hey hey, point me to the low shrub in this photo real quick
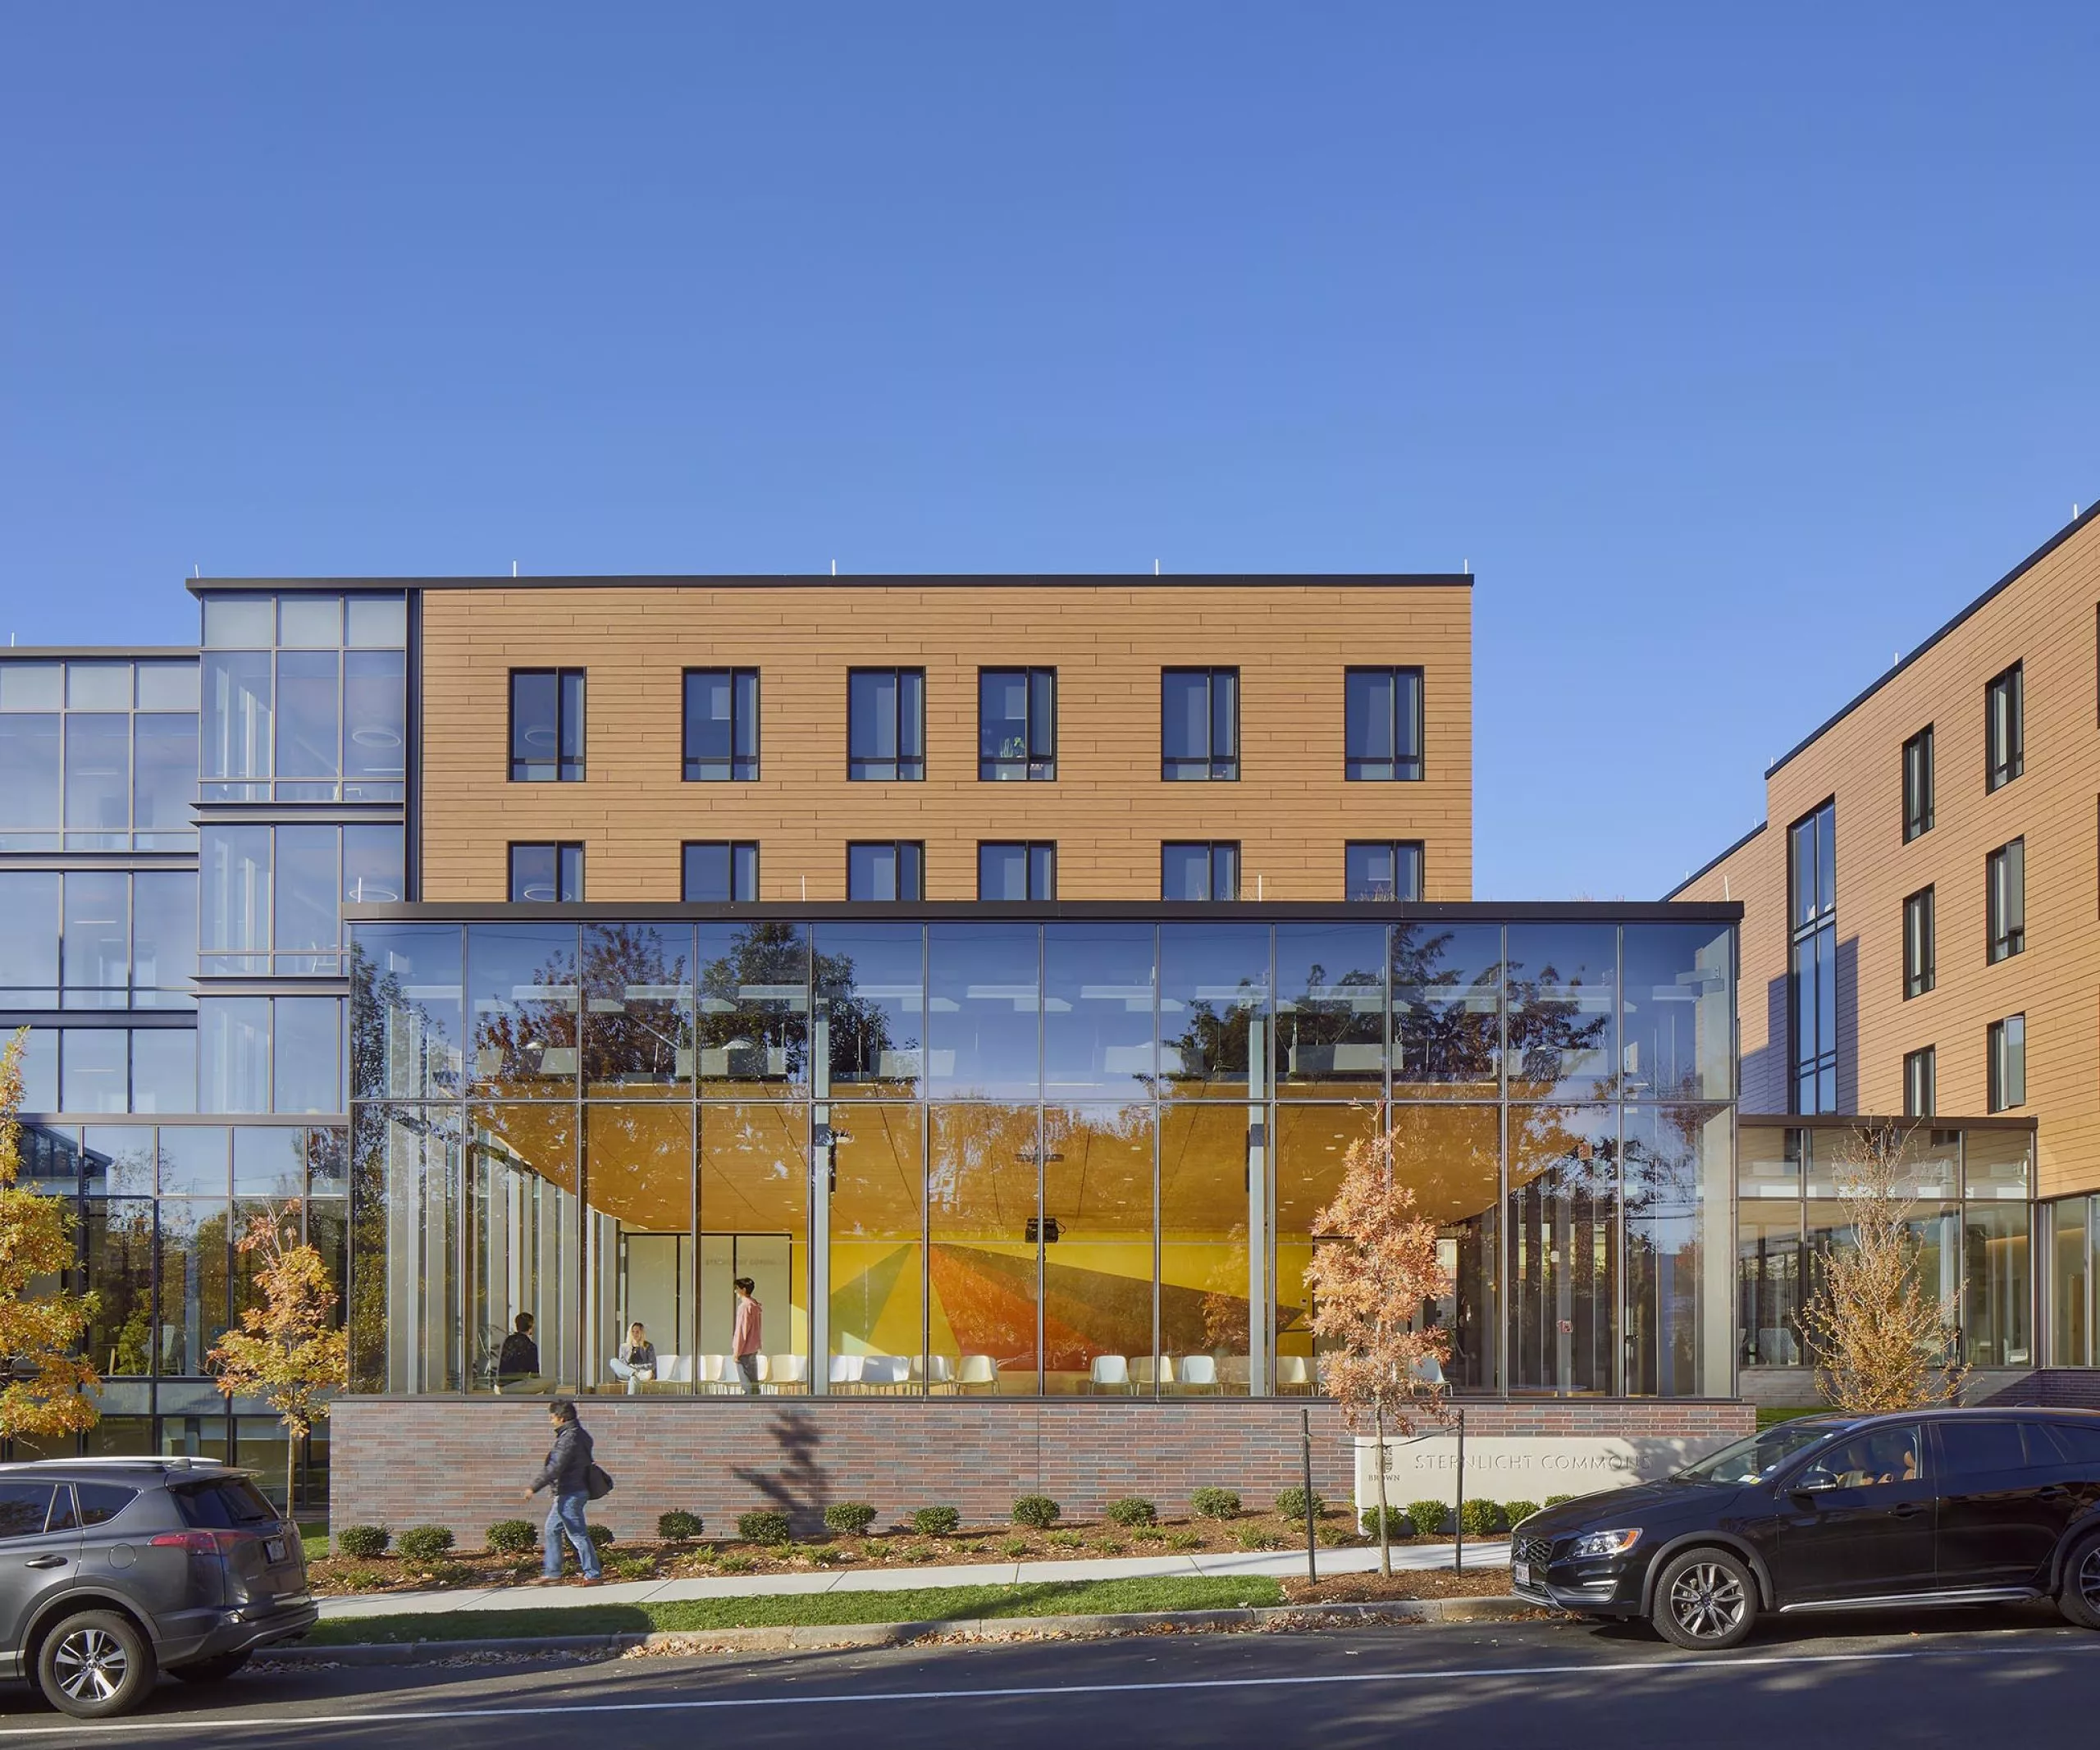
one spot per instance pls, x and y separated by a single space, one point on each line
1133 1509
601 1536
1516 1512
935 1522
1291 1503
678 1526
1147 1534
1105 1545
1214 1504
920 1554
767 1525
424 1543
1482 1518
733 1564
364 1542
1064 1539
511 1536
849 1519
1038 1512
1554 1500
630 1567
354 1579
1184 1540
1330 1537
1399 1524
1015 1546
1255 1537
831 1555
448 1573
1430 1517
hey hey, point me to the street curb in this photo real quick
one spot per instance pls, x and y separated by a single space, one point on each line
789 1639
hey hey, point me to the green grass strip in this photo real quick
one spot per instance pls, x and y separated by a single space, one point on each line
809 1609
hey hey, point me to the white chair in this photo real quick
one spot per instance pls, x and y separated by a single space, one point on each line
1142 1373
1238 1373
847 1372
940 1371
977 1371
674 1370
1110 1372
1197 1373
1429 1370
785 1373
884 1373
1294 1373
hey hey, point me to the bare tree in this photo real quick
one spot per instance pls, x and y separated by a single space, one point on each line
1879 1342
1373 1271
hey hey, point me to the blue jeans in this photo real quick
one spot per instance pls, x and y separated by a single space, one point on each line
566 1514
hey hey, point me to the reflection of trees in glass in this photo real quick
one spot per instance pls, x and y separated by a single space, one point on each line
1447 1026
860 1027
1214 1045
512 1042
633 1039
1326 1015
1549 1035
766 1037
382 1012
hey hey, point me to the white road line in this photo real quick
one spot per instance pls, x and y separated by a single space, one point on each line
286 1720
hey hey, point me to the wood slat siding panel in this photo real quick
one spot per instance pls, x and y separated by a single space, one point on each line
1108 811
2045 620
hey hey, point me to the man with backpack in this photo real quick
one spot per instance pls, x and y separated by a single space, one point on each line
575 1482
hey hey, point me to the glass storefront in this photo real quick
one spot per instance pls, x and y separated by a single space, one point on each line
1009 1158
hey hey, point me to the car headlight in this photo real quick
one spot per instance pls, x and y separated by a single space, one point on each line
1593 1544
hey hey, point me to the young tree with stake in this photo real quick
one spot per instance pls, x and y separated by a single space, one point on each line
1374 1264
44 1375
289 1350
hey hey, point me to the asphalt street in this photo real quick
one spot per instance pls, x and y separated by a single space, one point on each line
2008 1676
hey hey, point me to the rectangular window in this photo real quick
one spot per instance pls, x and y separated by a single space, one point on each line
721 872
1918 784
1017 871
721 725
546 873
1203 870
2004 901
1918 950
1918 1077
2007 1045
1198 723
2004 731
1383 869
547 725
889 870
1017 724
1812 913
886 724
1382 716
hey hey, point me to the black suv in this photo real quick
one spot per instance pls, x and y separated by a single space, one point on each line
1836 1513
113 1569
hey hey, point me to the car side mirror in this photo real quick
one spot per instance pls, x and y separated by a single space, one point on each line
1813 1482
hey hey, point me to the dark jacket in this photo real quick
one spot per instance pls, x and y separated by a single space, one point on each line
518 1359
568 1468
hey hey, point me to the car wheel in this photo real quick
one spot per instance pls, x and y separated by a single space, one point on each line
2079 1598
95 1665
1705 1600
210 1671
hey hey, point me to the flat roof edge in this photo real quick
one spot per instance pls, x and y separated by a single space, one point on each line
900 579
1054 911
2013 577
98 652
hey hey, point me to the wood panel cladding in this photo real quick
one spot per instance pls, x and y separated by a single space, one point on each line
1108 811
2045 618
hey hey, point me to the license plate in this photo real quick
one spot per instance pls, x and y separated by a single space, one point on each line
1521 1572
274 1548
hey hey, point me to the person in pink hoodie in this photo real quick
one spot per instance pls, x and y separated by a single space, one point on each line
747 1337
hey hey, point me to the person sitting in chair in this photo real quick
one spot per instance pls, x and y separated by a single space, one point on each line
635 1359
518 1362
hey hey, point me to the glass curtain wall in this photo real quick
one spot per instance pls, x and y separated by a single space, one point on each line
1008 1159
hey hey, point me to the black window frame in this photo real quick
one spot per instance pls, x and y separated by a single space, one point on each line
1220 719
907 764
1812 954
1402 767
2004 727
568 714
560 848
2005 1057
1921 1082
1220 854
1036 761
743 861
909 853
1918 785
1399 849
1920 947
1040 865
2004 901
743 761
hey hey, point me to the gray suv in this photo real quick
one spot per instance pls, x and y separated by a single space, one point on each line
112 1570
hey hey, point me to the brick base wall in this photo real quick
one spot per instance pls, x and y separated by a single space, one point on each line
464 1463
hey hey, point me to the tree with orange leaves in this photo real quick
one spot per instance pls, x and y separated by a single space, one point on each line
46 1377
1374 1266
288 1349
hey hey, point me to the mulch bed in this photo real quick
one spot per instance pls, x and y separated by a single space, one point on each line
1424 1583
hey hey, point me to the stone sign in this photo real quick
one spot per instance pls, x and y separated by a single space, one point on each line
1502 1467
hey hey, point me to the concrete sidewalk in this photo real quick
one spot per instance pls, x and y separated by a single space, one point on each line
1283 1563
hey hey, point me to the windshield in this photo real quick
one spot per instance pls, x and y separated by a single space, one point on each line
1752 1461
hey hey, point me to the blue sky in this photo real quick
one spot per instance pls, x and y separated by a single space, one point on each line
1732 348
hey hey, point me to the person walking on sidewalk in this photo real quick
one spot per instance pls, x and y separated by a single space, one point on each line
748 1336
567 1472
